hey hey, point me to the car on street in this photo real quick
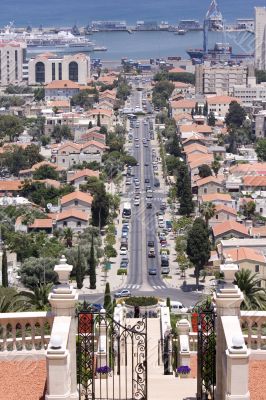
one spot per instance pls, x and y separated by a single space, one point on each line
150 243
123 264
156 182
122 293
136 202
151 252
123 251
137 145
152 271
128 182
124 234
147 180
148 204
163 206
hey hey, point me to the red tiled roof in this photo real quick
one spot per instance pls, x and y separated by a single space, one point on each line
258 168
41 223
245 253
176 70
216 196
84 172
86 197
257 181
195 147
221 100
72 213
228 226
186 103
10 185
64 84
226 209
208 179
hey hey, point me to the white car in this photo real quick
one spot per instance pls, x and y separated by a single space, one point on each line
136 202
123 252
137 145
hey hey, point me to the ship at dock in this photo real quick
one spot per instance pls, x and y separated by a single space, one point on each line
38 41
221 52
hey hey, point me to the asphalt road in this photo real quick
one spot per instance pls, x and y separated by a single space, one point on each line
143 224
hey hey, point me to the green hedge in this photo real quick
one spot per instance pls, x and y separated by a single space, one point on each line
141 301
121 271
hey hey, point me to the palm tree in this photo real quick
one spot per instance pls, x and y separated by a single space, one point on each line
216 166
36 300
68 236
254 295
8 305
207 210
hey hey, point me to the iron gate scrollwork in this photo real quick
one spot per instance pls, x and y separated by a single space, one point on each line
111 358
206 370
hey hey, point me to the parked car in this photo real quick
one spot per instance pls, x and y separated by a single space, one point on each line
150 243
122 293
123 264
151 252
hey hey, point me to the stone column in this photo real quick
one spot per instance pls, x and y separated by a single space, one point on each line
183 327
228 298
237 373
63 300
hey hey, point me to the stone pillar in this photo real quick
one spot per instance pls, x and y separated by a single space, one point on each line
237 373
183 327
63 300
228 298
103 350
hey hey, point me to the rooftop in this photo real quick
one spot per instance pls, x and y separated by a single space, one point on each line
228 226
85 197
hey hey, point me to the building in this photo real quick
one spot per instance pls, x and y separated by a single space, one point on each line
219 105
229 229
68 154
260 24
260 124
13 65
72 218
49 67
210 185
219 79
76 200
61 90
249 93
81 176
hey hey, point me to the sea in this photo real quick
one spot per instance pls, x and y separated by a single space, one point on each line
138 45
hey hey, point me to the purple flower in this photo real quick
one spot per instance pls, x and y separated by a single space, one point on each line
104 370
183 369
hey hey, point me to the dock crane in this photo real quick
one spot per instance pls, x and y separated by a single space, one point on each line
213 21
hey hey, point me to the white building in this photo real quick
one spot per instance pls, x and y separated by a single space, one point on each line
260 124
47 68
219 79
260 24
248 93
12 63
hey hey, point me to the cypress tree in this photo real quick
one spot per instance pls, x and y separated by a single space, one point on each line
4 269
79 271
92 266
99 120
185 194
107 299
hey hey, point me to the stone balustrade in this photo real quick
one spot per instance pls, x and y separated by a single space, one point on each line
253 324
24 332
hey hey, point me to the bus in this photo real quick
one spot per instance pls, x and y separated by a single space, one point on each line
126 213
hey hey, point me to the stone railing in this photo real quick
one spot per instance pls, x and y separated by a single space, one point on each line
253 324
24 332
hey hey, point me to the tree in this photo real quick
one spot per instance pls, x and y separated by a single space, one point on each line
68 236
99 120
4 269
215 166
8 301
198 246
172 164
207 210
61 132
39 94
260 149
184 192
38 299
92 266
205 171
183 263
11 126
161 93
79 271
236 115
46 172
254 295
107 304
249 209
173 146
100 208
211 119
90 125
38 271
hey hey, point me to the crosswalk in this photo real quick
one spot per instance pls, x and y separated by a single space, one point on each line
132 286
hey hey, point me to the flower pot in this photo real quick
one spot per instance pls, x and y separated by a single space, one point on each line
183 376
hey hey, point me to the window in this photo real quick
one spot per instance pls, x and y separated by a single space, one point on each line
217 216
76 202
53 71
73 71
65 223
78 223
257 268
218 190
261 210
40 72
205 190
60 71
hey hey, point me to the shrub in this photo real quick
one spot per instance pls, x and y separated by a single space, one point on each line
121 271
141 301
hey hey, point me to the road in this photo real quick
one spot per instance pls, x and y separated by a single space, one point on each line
143 225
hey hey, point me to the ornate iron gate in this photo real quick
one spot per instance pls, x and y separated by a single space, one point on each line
206 370
111 358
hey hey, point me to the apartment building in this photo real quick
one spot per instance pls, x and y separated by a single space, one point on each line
49 67
260 36
248 93
219 79
12 63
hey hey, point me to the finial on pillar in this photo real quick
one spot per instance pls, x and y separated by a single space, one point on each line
63 270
